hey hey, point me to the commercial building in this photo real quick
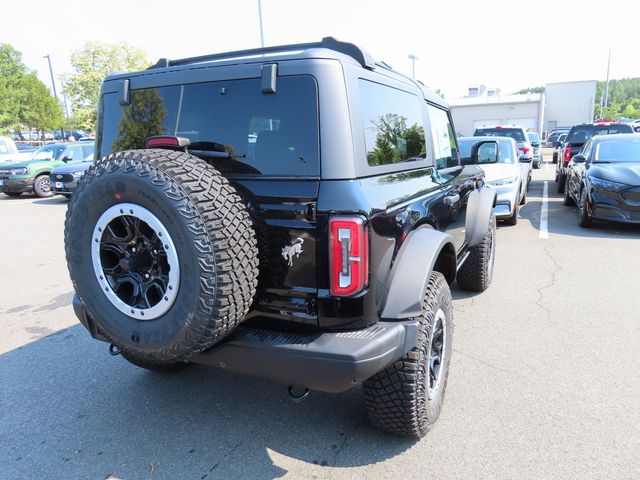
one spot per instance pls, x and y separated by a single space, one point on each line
561 104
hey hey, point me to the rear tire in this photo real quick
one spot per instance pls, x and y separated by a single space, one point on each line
476 272
584 219
566 199
513 219
562 179
406 398
162 252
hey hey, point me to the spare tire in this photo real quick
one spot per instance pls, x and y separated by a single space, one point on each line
162 253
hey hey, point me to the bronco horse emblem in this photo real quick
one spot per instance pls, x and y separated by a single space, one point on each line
288 251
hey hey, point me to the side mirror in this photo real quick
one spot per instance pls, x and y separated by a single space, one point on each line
579 158
536 144
485 152
66 158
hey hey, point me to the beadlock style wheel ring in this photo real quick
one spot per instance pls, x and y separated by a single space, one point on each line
437 354
135 261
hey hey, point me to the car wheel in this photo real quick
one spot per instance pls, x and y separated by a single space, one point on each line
476 272
166 262
523 200
406 398
42 186
584 218
567 200
513 219
562 179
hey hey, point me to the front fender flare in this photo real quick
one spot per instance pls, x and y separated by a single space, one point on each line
407 281
479 208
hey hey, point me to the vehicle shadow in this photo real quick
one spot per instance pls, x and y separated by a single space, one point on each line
563 220
70 410
55 200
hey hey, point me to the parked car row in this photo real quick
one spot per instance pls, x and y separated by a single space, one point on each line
39 174
603 179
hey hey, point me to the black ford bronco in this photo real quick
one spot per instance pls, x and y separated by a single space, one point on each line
295 213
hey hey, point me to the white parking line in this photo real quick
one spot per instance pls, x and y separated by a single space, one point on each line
544 212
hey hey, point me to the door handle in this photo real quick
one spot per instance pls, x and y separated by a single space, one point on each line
450 200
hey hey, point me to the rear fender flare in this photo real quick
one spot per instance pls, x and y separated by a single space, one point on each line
479 208
407 281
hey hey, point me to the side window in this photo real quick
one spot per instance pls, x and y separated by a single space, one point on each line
392 124
586 150
443 138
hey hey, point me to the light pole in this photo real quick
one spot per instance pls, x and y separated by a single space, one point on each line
606 88
260 17
413 65
53 83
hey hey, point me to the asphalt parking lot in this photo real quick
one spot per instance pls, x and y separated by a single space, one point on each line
544 381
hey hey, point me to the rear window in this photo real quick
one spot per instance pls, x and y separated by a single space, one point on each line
516 133
533 137
263 134
582 133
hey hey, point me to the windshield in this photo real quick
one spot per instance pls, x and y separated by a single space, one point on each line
48 152
515 133
618 151
533 137
582 133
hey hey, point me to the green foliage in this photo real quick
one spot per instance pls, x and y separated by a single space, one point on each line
12 71
39 108
395 142
24 99
624 99
92 64
530 90
141 120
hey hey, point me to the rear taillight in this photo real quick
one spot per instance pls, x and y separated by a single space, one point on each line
566 154
525 150
348 255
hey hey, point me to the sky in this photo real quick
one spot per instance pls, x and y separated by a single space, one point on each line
505 44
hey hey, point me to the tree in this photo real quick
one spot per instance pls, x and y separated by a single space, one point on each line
141 120
530 90
12 71
39 108
92 64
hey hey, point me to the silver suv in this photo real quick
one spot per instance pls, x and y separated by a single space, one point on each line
518 133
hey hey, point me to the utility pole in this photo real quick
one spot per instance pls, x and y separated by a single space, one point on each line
260 17
53 83
413 65
606 88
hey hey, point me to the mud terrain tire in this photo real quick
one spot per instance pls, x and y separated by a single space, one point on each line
211 253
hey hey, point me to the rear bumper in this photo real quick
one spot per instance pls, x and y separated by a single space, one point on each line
327 362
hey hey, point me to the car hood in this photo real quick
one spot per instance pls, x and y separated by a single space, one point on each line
627 173
498 171
72 167
24 163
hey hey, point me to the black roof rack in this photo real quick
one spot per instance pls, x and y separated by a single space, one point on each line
355 52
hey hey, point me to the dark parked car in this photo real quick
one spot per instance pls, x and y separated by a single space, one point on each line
552 138
64 179
604 179
576 139
295 213
557 146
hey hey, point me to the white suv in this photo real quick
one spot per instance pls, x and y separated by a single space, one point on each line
517 132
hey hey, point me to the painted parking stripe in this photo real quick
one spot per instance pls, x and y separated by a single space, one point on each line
544 212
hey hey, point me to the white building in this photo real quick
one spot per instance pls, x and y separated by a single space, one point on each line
562 104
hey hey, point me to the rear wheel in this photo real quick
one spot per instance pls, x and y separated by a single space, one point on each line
513 219
406 398
584 217
476 272
42 186
562 179
567 200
